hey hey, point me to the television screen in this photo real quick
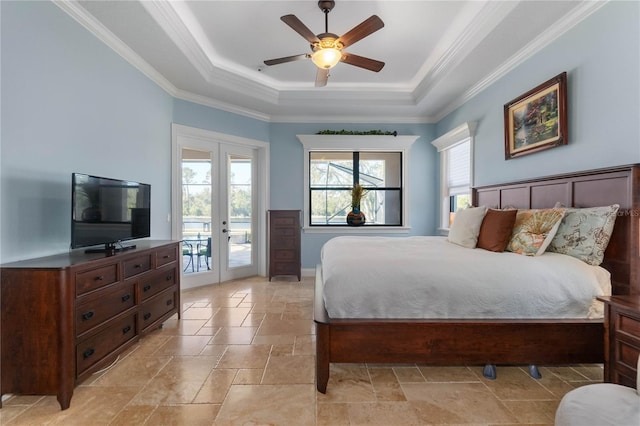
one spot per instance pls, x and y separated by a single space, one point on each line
107 211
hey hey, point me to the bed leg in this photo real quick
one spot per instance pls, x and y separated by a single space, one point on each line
489 371
322 357
534 372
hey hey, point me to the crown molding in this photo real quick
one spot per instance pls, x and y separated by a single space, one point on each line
245 86
171 23
224 106
491 14
351 119
80 15
563 25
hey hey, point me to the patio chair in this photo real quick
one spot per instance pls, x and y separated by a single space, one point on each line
204 250
187 251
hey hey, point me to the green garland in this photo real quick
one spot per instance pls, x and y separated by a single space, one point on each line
355 132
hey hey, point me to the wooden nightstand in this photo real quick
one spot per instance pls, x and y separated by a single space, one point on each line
621 338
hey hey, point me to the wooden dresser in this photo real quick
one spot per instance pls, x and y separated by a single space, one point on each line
66 316
284 243
622 339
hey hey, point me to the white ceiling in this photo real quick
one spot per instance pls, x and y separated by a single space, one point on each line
438 54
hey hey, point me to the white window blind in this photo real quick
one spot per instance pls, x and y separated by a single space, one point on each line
458 161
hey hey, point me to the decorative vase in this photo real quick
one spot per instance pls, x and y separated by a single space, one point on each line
355 217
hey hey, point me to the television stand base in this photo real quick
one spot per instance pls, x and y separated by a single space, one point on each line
110 249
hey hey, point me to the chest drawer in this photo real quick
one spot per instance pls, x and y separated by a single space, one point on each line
137 265
106 305
156 282
286 255
166 255
155 308
284 268
93 279
102 344
628 325
278 243
284 221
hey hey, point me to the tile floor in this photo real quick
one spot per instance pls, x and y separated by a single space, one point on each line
244 354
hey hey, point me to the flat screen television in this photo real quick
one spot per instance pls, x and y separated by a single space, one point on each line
108 211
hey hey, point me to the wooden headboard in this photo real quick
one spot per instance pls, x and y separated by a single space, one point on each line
592 188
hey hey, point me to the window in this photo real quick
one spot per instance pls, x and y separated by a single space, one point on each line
332 174
456 174
376 162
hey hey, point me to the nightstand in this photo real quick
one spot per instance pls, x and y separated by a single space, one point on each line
621 338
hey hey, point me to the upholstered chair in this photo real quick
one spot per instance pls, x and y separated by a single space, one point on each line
601 404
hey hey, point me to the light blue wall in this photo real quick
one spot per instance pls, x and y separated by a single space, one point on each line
287 185
70 104
202 117
602 58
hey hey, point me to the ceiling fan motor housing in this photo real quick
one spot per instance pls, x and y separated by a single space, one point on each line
326 5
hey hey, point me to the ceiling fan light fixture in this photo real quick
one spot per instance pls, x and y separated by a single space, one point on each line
326 58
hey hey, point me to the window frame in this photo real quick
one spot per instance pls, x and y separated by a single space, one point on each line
359 143
460 134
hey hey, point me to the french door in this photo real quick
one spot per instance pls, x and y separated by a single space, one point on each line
217 210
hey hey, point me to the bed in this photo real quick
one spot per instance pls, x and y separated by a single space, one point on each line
485 341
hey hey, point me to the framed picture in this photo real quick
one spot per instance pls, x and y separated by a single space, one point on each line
537 120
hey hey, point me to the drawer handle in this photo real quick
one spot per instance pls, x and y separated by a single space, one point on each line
87 315
146 288
166 256
147 316
137 265
99 278
126 297
169 302
169 277
126 329
88 353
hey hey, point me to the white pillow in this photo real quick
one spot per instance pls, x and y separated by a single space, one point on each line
466 226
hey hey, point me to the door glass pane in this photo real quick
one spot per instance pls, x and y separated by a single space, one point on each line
240 227
196 210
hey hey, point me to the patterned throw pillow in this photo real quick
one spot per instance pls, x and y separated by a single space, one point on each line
534 230
585 233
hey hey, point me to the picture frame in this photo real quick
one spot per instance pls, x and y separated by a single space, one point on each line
537 120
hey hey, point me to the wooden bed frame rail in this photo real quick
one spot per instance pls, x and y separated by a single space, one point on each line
455 341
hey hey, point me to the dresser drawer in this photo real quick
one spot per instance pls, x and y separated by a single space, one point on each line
156 282
137 265
102 344
284 221
93 279
628 325
155 308
104 306
286 255
285 232
278 243
285 268
166 255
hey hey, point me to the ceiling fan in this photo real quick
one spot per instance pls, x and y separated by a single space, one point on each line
327 47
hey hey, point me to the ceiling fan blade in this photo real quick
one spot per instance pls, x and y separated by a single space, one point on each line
357 33
299 27
286 59
362 62
321 77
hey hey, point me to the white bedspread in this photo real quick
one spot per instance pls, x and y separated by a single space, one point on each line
428 277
